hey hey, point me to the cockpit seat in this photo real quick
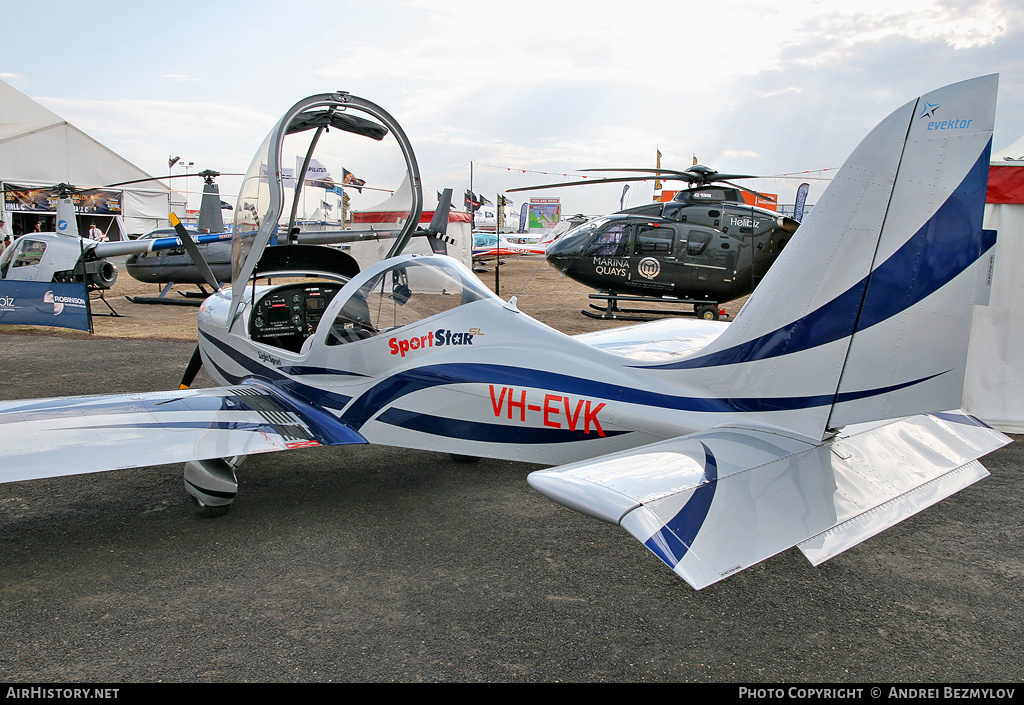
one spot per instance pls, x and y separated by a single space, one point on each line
348 334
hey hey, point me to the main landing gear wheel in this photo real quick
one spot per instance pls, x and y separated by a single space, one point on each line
212 485
708 313
205 511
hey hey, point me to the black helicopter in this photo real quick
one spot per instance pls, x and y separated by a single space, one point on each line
703 248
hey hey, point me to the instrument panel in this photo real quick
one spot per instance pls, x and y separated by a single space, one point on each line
288 315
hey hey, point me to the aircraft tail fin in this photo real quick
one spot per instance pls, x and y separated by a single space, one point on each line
866 313
67 222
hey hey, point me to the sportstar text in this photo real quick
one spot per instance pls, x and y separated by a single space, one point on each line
435 338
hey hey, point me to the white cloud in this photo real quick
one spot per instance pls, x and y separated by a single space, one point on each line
559 86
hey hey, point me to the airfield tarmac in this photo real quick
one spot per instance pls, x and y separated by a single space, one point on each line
369 563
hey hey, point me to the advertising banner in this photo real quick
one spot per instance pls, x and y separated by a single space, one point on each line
770 202
25 199
801 201
44 304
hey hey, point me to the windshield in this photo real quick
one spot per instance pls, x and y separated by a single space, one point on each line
404 294
573 240
254 192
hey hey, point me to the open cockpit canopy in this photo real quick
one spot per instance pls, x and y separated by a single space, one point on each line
300 181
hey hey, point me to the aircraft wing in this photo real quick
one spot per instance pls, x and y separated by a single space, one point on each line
713 503
73 435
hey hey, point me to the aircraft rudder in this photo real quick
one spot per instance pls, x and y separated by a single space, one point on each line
914 325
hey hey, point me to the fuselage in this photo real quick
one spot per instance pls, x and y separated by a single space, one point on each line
175 264
478 378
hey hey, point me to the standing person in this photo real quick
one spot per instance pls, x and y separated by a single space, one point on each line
5 235
96 234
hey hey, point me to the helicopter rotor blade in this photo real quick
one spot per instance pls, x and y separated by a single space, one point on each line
587 182
701 175
193 251
209 172
766 197
728 177
685 176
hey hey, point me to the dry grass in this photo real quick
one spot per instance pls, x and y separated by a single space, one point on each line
541 291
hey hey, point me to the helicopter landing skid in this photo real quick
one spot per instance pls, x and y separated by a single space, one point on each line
158 300
192 297
611 311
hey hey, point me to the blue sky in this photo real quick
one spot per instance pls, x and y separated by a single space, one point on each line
542 87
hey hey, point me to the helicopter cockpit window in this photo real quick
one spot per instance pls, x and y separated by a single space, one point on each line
402 295
675 210
30 252
653 240
613 241
5 260
696 243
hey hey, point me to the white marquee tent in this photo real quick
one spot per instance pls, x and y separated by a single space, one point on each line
40 149
995 362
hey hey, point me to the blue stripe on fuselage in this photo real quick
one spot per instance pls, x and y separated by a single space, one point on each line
383 394
386 392
308 393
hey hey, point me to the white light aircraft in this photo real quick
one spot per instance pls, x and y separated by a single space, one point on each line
824 414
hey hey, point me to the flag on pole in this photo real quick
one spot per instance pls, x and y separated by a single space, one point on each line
349 179
316 173
801 201
473 202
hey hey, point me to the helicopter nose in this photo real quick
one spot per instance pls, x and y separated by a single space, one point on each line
563 264
558 260
557 250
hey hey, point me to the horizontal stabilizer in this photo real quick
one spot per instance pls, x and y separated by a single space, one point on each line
76 435
713 503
